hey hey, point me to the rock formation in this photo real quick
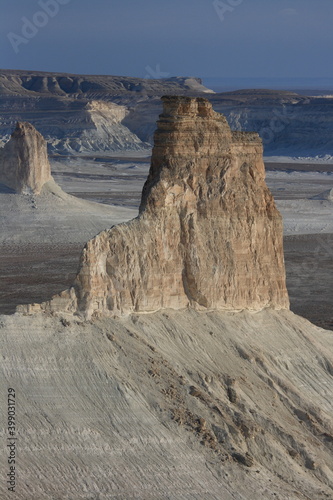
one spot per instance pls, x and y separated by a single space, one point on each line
24 164
208 235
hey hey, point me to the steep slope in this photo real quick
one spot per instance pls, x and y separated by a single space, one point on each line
98 127
173 405
71 126
208 235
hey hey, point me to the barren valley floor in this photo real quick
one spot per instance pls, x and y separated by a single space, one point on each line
33 271
27 277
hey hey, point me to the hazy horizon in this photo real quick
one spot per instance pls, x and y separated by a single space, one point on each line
214 39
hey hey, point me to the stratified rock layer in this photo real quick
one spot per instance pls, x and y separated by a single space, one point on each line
24 164
208 235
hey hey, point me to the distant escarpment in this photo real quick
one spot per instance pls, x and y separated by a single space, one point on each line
86 113
39 83
289 124
24 164
72 126
63 109
208 235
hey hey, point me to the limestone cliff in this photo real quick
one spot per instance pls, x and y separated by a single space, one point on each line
24 164
208 235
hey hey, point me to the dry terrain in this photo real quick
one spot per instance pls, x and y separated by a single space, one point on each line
33 275
172 405
176 404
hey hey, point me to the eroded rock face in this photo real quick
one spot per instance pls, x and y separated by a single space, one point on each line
208 235
24 164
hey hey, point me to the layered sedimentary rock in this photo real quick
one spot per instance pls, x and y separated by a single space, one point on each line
208 235
24 164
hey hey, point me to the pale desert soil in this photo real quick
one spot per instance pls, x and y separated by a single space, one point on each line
173 405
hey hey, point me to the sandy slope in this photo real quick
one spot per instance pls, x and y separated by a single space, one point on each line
41 239
54 217
155 407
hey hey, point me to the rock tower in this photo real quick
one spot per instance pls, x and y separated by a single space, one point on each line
24 164
208 235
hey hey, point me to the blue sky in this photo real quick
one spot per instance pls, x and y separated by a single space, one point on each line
234 38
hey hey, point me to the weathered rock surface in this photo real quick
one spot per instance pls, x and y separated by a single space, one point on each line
208 235
24 164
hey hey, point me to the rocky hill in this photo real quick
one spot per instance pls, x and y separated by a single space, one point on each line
38 83
208 235
81 113
63 109
288 123
71 126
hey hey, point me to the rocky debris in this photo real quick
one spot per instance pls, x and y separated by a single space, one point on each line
24 164
246 459
208 236
232 394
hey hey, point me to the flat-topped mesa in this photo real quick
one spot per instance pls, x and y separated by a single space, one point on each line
24 164
195 148
208 235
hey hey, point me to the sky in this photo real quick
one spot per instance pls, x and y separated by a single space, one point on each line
161 38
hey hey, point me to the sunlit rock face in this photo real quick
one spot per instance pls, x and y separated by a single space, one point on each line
24 164
208 235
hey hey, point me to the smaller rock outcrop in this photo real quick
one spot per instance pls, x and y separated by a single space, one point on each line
24 164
